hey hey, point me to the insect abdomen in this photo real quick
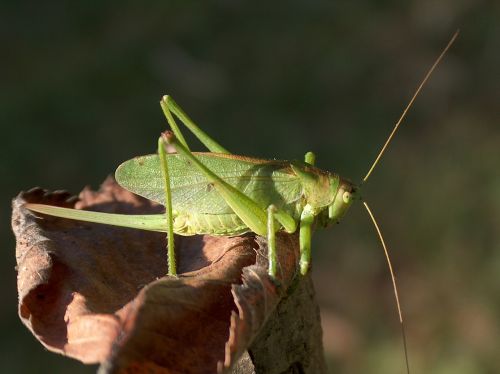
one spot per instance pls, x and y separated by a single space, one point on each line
186 224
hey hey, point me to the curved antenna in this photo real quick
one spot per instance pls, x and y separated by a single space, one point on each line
403 115
394 286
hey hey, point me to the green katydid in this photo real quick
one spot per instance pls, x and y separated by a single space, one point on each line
218 193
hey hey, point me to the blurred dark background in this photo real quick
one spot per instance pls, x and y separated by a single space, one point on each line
80 86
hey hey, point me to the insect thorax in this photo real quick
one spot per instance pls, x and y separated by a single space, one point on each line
320 187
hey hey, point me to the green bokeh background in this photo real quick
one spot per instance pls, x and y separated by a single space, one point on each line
79 92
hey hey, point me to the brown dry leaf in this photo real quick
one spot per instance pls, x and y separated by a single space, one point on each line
99 293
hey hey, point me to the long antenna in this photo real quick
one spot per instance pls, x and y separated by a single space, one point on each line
394 286
403 115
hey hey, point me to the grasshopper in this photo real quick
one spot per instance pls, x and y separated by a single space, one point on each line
219 193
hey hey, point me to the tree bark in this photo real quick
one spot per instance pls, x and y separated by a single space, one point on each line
290 342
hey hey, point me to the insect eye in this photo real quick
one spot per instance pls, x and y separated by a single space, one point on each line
346 197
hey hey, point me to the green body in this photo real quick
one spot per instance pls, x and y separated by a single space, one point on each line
217 193
198 208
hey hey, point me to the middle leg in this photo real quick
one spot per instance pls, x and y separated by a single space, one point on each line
255 217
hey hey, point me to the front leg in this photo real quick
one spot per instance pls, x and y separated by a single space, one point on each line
248 210
287 222
271 240
306 221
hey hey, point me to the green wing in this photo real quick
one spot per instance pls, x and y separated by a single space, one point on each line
264 181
